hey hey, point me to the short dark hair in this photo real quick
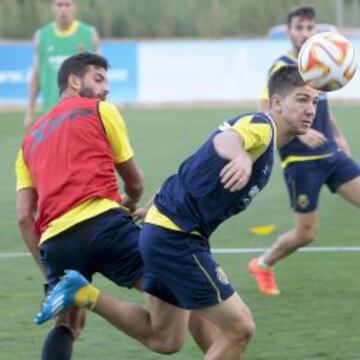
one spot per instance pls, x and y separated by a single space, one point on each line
77 65
305 12
284 80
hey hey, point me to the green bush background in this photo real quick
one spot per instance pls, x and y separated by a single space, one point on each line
169 18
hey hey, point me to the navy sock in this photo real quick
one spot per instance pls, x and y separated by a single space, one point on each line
58 344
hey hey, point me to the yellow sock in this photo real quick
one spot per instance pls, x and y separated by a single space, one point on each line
87 297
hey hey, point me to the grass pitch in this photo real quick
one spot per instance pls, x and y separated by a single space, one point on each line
316 317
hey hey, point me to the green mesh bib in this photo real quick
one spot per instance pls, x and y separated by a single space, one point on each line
53 50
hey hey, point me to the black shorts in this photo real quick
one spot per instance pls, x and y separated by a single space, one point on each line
105 244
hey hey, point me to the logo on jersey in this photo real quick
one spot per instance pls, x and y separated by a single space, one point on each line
254 191
303 201
224 126
221 276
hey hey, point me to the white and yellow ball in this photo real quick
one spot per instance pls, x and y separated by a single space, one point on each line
327 61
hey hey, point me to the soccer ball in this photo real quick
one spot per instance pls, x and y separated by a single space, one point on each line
327 61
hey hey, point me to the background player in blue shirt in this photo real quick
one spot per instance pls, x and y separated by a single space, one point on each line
216 182
321 156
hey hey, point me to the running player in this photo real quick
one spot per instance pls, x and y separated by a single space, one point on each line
65 170
310 161
217 181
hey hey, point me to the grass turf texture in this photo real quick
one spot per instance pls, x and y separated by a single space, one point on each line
316 316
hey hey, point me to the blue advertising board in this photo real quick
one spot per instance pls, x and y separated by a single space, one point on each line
16 61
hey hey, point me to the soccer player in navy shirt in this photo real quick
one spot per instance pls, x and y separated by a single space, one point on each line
310 161
218 181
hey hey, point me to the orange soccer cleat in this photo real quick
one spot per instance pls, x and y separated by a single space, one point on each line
265 278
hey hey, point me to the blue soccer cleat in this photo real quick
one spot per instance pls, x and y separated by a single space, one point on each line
61 297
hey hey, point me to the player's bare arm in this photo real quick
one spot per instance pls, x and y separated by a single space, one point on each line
33 88
25 209
96 41
236 174
133 180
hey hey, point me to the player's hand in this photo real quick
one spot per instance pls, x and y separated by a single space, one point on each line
313 138
343 145
139 214
128 203
236 174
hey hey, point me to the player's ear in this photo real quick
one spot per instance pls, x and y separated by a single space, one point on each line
74 82
276 103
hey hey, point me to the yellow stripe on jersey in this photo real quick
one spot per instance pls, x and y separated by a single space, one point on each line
290 159
116 132
23 176
155 217
69 31
256 136
84 211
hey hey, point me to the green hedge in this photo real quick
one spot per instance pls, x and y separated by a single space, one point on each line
160 18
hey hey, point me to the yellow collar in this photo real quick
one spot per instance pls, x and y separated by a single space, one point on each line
69 31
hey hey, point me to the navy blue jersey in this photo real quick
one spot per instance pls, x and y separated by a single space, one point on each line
195 199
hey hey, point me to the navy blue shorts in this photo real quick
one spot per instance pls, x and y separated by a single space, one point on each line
106 244
304 179
181 268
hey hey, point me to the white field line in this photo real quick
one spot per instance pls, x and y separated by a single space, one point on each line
227 251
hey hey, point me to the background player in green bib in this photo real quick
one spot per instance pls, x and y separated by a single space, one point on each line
321 156
54 43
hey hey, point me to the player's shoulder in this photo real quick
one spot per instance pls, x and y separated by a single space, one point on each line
251 118
108 111
260 118
284 59
107 106
86 26
45 28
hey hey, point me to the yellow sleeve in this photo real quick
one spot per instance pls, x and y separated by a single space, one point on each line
23 176
256 134
273 69
116 132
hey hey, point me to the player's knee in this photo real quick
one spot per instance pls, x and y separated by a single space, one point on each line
75 327
76 331
166 344
307 234
242 330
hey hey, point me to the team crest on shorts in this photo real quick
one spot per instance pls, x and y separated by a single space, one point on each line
303 201
221 276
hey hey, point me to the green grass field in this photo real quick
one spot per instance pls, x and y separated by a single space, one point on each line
316 317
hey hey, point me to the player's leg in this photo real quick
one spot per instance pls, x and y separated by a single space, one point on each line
69 250
59 341
162 328
303 233
184 265
351 191
345 179
236 327
304 182
202 330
